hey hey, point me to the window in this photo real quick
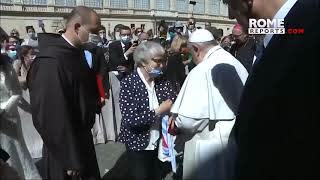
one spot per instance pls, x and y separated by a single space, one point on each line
182 5
93 3
141 4
199 7
35 2
163 4
143 26
119 3
6 1
214 7
66 2
224 10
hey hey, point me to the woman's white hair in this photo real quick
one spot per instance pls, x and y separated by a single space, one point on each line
146 51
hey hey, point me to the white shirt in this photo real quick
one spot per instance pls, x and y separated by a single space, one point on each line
124 50
65 38
191 31
153 104
88 56
281 14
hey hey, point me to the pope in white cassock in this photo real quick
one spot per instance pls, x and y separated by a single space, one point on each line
206 109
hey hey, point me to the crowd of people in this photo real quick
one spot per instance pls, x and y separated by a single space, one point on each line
185 91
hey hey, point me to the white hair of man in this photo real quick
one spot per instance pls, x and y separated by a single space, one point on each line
146 51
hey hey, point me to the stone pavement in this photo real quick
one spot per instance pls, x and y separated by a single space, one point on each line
112 161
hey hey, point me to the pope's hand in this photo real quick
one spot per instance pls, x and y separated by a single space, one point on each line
171 122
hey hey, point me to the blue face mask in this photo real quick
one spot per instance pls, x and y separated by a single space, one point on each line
125 39
155 72
12 54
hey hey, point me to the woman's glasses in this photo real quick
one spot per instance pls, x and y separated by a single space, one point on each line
159 60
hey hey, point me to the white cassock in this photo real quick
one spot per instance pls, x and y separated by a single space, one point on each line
198 103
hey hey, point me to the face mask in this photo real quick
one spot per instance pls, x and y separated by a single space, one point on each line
12 54
125 39
93 41
93 38
155 72
32 35
171 34
83 41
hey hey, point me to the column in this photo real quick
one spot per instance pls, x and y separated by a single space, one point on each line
173 5
130 4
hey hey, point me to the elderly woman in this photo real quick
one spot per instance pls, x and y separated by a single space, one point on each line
144 100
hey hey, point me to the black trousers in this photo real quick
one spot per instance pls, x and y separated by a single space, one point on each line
144 165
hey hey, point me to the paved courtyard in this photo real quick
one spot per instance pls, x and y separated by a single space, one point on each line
112 161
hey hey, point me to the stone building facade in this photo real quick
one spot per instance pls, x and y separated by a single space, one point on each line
21 13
